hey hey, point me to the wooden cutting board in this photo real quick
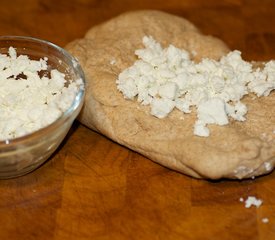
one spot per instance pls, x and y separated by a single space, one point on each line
93 188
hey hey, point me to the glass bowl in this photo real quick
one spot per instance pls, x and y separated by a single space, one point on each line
21 155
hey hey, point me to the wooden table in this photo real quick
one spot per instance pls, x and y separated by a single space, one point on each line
93 188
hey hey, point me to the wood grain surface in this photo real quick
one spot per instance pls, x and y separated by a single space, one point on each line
93 188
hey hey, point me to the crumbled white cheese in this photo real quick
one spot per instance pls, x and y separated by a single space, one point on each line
113 62
212 111
268 166
265 220
200 129
168 78
241 171
161 107
253 201
30 100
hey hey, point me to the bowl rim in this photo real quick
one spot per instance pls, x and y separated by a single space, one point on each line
78 101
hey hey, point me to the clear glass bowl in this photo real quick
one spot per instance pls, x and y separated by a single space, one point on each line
24 154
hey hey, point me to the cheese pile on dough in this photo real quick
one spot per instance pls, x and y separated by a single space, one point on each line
168 78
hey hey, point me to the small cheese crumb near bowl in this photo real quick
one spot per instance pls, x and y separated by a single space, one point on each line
42 90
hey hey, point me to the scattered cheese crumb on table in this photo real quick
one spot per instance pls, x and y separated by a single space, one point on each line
252 201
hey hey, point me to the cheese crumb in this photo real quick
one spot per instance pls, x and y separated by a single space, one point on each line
253 201
113 62
29 100
161 107
268 166
167 78
265 220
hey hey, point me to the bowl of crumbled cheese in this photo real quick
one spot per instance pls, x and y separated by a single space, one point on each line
41 93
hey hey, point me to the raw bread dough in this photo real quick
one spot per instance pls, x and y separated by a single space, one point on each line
238 150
